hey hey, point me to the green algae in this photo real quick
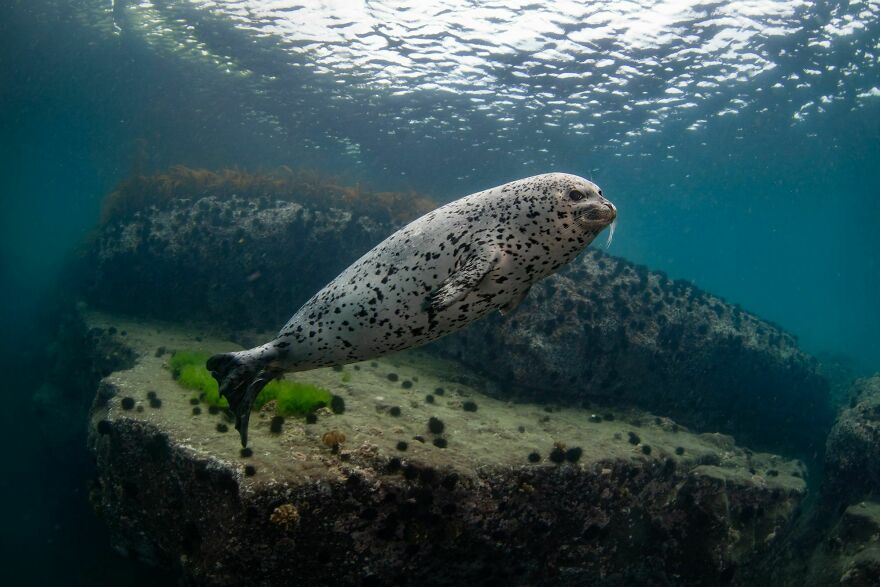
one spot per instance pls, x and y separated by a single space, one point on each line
181 359
292 398
197 377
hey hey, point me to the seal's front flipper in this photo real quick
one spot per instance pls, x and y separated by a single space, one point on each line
240 381
463 281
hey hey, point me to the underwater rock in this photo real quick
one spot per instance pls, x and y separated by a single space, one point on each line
606 329
75 361
841 372
177 493
239 264
852 456
850 555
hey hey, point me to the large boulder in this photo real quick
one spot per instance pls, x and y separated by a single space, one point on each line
606 329
852 457
849 555
838 541
233 262
619 497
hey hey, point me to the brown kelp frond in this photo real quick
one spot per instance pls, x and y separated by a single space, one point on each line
141 192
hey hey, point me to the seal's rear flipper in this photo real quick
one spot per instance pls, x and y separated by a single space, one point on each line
240 383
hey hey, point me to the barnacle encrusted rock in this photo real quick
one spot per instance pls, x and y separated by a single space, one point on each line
852 457
237 263
850 554
838 541
604 328
178 491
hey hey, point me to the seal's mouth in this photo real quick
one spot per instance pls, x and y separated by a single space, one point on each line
597 216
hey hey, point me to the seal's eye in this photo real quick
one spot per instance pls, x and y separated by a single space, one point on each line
576 195
600 192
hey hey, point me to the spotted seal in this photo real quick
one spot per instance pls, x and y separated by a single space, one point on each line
432 277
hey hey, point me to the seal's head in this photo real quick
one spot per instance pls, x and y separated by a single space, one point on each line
577 206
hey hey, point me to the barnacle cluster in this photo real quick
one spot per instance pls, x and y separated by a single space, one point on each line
285 516
333 439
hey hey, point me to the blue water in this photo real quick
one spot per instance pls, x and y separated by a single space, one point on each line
739 142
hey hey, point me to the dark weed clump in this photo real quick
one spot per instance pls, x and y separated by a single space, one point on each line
435 425
557 455
163 189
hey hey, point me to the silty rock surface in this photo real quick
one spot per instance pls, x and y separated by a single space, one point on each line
636 499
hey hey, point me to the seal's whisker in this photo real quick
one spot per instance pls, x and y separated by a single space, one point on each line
611 233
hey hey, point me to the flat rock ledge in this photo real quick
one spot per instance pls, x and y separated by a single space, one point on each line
637 498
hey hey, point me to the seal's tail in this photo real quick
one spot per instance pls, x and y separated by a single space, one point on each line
240 379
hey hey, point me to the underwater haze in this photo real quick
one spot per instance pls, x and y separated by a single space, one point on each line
739 141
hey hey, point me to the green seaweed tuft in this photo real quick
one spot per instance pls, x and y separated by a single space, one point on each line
292 397
198 378
181 359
